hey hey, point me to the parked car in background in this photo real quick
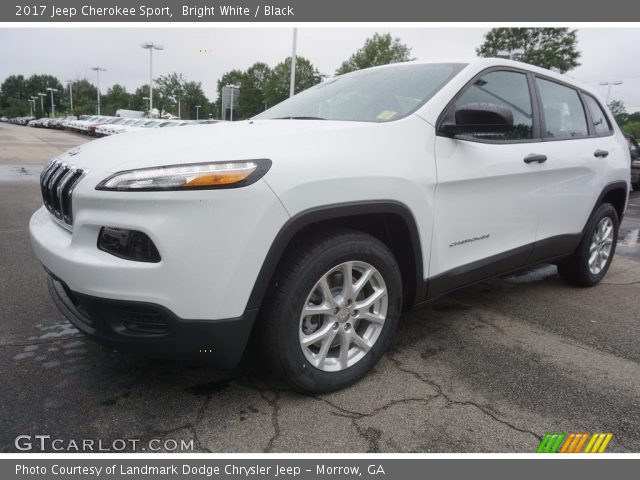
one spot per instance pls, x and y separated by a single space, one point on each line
634 151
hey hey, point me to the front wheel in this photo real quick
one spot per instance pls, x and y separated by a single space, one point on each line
591 260
332 311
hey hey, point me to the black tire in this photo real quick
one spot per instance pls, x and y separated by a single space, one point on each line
636 186
279 325
575 269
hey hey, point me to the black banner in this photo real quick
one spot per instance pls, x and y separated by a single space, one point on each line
319 11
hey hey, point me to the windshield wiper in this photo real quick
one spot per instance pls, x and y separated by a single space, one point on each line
299 118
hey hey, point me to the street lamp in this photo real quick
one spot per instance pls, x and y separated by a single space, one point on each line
98 70
232 87
198 112
42 95
151 47
53 107
148 104
31 106
609 85
70 82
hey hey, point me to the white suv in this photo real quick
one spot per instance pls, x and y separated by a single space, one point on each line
316 223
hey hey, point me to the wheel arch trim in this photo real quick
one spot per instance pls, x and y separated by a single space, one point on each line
336 211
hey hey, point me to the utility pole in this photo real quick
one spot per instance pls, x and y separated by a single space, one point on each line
53 107
98 70
70 82
42 95
198 112
151 47
609 85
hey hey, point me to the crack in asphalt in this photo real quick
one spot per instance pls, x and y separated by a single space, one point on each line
450 401
275 424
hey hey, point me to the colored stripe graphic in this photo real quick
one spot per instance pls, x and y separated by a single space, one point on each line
551 442
558 442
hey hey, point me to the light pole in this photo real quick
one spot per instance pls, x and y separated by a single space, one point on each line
609 85
147 99
53 107
98 70
31 106
198 112
292 82
151 47
70 82
232 87
42 95
32 101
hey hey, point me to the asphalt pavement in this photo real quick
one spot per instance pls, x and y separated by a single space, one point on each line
490 368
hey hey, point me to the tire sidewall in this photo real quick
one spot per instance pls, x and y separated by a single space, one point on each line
606 210
302 373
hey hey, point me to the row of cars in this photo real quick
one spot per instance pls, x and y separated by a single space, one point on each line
101 126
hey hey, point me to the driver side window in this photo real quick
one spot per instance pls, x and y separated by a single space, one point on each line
506 89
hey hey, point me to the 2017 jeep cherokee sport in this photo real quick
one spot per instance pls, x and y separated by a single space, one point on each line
320 220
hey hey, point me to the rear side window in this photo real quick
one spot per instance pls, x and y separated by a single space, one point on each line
563 111
600 122
509 90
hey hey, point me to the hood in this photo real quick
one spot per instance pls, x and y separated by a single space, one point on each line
214 142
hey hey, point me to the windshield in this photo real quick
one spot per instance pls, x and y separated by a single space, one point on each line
377 95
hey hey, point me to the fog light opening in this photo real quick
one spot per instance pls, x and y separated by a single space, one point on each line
128 244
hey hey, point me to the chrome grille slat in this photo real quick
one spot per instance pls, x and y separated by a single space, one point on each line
57 182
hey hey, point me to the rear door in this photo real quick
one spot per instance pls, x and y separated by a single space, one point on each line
579 143
488 196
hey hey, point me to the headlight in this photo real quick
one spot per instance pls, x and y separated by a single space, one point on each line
191 176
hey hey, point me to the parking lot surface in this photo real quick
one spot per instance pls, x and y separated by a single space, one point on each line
490 368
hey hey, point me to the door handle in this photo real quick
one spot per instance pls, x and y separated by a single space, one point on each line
600 153
535 158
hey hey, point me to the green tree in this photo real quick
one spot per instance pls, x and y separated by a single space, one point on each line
194 95
171 88
619 111
552 48
251 98
85 97
632 127
138 101
116 98
14 96
39 84
377 50
276 87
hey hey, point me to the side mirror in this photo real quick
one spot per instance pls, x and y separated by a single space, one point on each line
478 118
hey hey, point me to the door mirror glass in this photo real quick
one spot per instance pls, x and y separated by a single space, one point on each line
479 118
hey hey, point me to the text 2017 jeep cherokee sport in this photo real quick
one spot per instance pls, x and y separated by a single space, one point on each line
317 222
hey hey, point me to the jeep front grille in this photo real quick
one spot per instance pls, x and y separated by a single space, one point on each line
57 181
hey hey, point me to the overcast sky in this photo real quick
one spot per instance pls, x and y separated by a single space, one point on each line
203 54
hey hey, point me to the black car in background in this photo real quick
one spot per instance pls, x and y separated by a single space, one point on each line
634 148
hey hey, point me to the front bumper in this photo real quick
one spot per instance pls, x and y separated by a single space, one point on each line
153 330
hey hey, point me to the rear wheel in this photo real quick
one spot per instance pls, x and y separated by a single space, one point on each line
591 260
636 186
332 312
